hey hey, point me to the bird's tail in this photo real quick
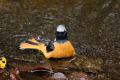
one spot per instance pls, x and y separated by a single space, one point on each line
33 44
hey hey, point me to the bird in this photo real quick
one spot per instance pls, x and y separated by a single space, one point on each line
61 47
3 62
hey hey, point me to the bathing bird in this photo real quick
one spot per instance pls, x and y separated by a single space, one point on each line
3 62
61 47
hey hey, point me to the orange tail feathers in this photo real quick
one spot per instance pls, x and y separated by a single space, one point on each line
25 45
33 44
33 40
40 46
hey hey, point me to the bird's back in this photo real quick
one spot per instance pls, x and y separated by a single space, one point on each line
62 50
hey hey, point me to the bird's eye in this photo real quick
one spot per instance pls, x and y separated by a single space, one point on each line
3 61
0 58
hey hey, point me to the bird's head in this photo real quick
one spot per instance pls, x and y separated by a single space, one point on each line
61 33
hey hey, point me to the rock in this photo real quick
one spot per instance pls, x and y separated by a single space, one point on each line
88 65
59 76
14 74
3 74
32 67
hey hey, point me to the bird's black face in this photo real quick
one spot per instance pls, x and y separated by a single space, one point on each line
61 36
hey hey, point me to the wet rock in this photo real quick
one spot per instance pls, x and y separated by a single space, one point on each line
3 74
79 76
59 76
88 65
45 68
31 67
14 74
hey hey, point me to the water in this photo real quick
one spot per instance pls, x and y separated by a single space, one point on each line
93 27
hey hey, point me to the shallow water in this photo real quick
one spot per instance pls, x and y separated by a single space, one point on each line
93 27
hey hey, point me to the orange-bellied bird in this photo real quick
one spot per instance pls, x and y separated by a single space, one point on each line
60 48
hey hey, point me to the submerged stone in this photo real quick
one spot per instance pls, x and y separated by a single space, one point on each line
88 65
59 75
